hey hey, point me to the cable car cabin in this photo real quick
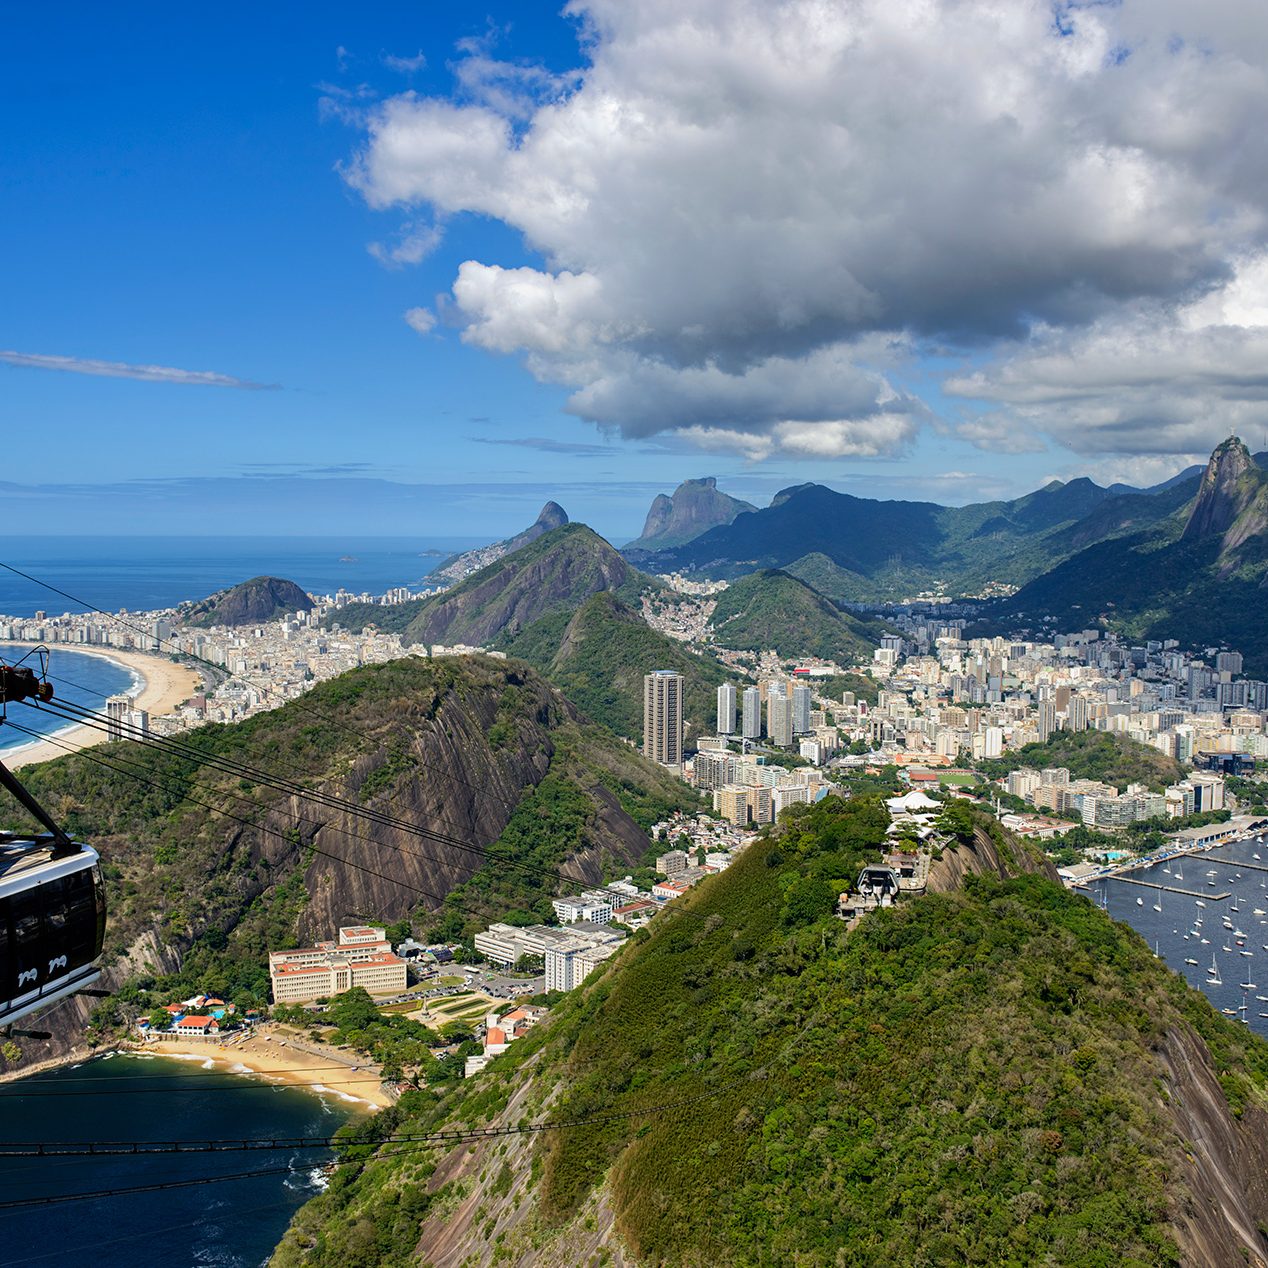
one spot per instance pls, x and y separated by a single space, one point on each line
52 922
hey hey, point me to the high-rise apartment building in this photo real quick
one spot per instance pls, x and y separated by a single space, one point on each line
662 717
779 719
752 721
801 709
726 709
117 710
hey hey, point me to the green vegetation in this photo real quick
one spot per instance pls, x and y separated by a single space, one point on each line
418 737
597 657
974 1077
1200 584
865 550
771 610
863 685
1103 755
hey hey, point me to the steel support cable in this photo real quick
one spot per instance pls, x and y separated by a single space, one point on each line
79 712
147 1149
271 691
92 756
108 726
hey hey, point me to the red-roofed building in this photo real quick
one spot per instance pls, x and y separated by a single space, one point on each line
196 1026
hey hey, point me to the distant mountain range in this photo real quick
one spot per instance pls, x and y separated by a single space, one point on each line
1197 572
862 550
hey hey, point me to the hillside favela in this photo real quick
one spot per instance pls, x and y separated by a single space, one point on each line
633 636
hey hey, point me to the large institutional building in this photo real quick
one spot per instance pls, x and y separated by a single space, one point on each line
362 957
663 717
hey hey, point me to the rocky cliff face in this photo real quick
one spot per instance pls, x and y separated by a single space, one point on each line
695 507
250 603
1222 493
990 853
560 570
551 516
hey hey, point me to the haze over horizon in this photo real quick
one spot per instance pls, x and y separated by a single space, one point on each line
419 272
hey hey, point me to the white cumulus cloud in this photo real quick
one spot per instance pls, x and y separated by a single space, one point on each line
735 201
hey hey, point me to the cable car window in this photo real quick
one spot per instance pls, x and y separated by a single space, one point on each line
27 930
81 924
6 965
57 933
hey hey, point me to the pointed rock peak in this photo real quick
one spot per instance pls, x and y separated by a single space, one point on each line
552 516
1220 495
695 507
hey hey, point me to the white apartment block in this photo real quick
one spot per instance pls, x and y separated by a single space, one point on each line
595 906
571 962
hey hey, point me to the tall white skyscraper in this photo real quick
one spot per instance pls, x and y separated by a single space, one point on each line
726 709
662 717
752 725
779 719
801 709
117 710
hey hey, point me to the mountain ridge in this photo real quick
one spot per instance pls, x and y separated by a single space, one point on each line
694 507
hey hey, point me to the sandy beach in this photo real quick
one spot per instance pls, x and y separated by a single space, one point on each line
277 1057
165 686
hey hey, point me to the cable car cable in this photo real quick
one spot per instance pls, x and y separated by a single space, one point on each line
298 701
109 726
89 755
136 1149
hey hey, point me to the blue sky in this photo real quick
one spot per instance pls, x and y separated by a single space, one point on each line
181 192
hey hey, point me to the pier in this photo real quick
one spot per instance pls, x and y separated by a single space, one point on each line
1173 889
1249 867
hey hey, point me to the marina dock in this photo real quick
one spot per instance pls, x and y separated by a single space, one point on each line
1246 867
1206 894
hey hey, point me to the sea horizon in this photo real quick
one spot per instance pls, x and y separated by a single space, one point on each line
143 574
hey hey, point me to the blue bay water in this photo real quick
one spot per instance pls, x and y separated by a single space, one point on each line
146 573
1236 872
225 1224
77 679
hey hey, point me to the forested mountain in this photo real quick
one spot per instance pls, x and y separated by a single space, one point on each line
208 870
249 603
553 574
1113 759
598 655
860 549
1198 575
695 507
993 1073
771 609
551 516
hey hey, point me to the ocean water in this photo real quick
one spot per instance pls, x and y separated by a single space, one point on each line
1236 872
76 678
146 573
220 1223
